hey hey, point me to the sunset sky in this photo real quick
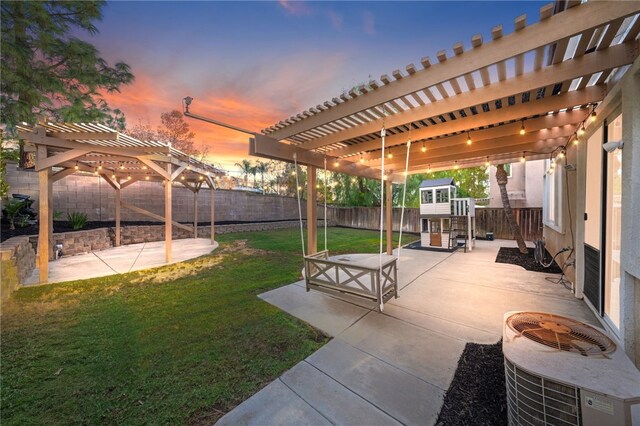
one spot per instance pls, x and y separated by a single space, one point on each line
255 63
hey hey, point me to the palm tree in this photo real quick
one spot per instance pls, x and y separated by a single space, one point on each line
501 178
254 171
245 169
262 168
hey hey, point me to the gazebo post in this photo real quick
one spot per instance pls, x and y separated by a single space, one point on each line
388 215
43 205
312 211
118 206
212 193
195 212
167 215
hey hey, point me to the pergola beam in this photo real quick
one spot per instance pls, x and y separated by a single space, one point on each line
266 147
522 110
86 136
613 57
557 27
539 126
56 160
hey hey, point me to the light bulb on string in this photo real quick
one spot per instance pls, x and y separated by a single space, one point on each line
593 116
523 158
581 131
424 148
456 167
77 166
487 163
336 163
361 160
390 155
429 169
522 130
121 166
469 141
100 166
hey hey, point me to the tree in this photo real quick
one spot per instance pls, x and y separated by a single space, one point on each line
501 178
262 168
245 169
174 130
47 71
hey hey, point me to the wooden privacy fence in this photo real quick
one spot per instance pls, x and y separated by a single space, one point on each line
487 220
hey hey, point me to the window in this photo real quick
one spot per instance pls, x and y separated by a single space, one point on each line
427 196
425 224
508 170
442 195
553 202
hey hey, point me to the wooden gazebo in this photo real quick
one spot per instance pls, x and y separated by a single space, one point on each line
525 95
65 148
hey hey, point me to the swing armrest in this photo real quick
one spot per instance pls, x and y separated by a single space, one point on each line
324 254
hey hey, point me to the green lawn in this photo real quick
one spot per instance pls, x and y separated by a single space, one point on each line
178 344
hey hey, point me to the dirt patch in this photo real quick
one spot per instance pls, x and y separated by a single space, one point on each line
241 247
477 395
513 256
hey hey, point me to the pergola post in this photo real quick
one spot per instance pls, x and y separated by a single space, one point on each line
312 211
212 193
388 215
167 216
44 233
118 206
195 212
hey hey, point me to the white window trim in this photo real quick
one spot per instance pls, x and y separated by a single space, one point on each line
558 176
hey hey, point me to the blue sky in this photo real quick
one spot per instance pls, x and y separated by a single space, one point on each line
255 63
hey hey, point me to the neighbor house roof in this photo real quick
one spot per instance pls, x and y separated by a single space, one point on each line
547 78
431 183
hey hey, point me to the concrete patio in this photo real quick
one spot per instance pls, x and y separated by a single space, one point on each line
123 259
395 367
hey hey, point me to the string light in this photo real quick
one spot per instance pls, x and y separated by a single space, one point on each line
523 158
76 167
390 154
593 116
182 177
522 130
354 180
487 163
144 167
146 177
561 154
293 173
361 160
576 141
469 141
429 169
581 131
456 166
121 166
317 186
424 148
336 163
113 176
95 172
100 166
129 176
200 177
299 188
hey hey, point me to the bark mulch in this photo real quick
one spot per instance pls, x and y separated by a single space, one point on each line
513 256
477 395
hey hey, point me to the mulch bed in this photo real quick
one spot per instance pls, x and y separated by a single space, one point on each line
63 226
513 256
417 245
477 395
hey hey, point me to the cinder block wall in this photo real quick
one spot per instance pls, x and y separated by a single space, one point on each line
93 196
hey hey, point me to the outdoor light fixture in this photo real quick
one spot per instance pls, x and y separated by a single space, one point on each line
576 140
100 166
144 167
469 141
522 130
561 154
612 146
336 163
129 176
121 166
390 154
361 160
487 163
200 177
76 167
113 176
581 131
182 177
523 158
424 148
146 177
593 116
95 172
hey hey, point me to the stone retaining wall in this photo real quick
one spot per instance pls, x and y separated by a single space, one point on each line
18 259
19 254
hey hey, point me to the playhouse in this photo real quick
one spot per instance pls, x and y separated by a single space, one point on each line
448 222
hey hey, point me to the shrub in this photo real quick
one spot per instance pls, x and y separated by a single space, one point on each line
57 215
77 220
12 211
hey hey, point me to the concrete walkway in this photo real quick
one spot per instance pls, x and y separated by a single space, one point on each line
395 367
123 259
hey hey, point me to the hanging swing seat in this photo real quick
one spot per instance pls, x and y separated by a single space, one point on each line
361 275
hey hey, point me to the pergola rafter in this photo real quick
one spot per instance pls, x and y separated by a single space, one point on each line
118 159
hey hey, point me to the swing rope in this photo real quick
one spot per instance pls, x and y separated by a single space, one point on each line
325 203
404 195
383 134
295 161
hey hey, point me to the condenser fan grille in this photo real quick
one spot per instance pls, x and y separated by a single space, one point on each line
561 333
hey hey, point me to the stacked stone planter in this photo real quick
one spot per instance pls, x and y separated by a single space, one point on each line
18 259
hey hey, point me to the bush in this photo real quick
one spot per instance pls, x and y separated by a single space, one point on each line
77 220
12 211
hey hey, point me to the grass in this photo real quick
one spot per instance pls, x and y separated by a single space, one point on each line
179 344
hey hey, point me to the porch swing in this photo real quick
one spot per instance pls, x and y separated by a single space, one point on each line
372 278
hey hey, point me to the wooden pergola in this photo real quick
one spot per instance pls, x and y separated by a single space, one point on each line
65 148
523 94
